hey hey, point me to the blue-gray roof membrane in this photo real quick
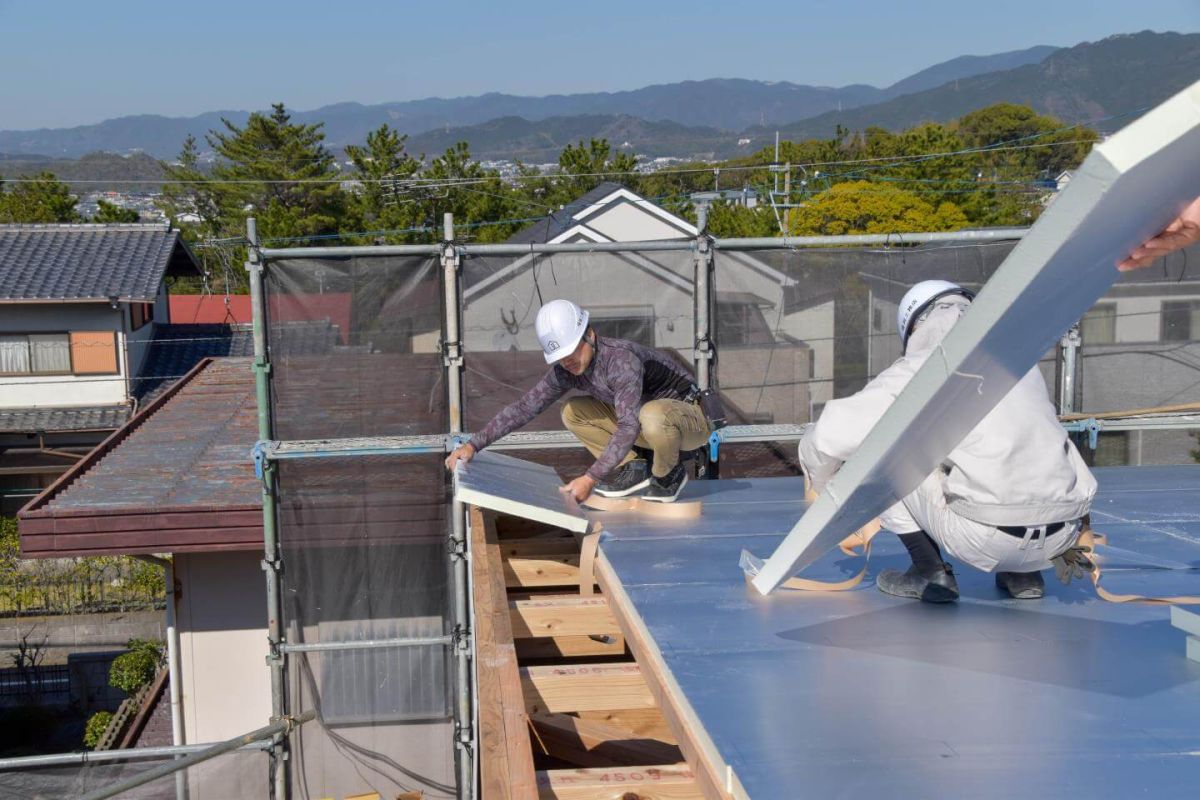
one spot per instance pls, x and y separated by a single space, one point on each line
858 694
88 262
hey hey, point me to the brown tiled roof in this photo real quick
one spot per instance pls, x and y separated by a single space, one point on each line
176 478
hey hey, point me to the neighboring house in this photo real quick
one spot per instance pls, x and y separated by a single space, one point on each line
81 304
764 362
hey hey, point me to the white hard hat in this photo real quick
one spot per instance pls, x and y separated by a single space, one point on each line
560 325
919 298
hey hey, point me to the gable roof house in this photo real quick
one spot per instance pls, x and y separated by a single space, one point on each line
645 296
79 308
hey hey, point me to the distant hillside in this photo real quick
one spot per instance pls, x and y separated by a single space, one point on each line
721 103
541 141
1085 83
115 172
965 67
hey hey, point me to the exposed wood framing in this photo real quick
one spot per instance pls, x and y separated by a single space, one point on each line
674 782
556 666
506 769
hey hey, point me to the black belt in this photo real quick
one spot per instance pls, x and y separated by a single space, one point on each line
1020 531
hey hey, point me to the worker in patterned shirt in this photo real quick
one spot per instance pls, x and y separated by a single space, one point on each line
634 396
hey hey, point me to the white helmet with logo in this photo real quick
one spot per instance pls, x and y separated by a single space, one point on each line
917 301
560 325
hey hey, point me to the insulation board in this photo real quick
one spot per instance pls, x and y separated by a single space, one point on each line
515 486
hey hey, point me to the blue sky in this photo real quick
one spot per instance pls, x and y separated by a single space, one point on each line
73 62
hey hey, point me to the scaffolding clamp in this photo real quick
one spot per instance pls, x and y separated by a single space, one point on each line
461 638
1092 426
452 354
259 454
704 347
456 548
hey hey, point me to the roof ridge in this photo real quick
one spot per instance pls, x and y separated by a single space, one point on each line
88 226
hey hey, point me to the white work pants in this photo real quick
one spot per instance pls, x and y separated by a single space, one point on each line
982 546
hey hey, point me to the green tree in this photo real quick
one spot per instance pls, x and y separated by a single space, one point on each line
473 194
111 212
865 207
730 220
583 167
387 197
43 198
279 172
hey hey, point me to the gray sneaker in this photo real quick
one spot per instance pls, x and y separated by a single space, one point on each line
625 480
668 487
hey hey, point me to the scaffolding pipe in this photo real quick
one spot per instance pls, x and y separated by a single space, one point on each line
1070 348
451 261
702 300
777 242
174 680
279 728
271 563
763 243
106 756
365 644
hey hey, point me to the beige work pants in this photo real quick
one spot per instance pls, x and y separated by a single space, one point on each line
668 426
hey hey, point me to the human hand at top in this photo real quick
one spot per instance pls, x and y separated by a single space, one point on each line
1184 230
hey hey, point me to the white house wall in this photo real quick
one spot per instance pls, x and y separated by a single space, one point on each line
626 222
223 644
814 326
19 391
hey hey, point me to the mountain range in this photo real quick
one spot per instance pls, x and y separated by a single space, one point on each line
1104 84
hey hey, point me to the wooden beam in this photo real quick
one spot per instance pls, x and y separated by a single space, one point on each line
667 782
553 570
576 616
697 747
646 723
505 757
571 647
584 687
588 743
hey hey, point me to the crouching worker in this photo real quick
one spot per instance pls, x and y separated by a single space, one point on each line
635 395
1008 499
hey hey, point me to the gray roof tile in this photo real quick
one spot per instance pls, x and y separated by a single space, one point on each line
50 420
88 262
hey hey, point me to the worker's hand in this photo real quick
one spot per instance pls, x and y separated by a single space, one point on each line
1072 563
463 453
1183 231
580 488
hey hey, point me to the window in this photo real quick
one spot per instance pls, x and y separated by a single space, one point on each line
35 353
741 323
1180 320
877 318
638 329
1099 326
140 314
78 353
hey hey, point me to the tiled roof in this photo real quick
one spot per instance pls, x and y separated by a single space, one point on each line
53 420
192 451
546 229
88 262
175 349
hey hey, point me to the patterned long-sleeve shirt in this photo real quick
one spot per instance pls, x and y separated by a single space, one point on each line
622 373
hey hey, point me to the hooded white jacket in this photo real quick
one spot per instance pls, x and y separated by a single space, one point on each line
1017 467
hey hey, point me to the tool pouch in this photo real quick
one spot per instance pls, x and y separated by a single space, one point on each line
714 412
